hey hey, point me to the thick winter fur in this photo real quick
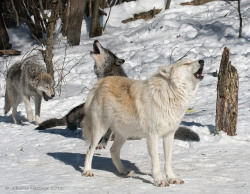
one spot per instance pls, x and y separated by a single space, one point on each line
24 80
106 64
72 119
147 109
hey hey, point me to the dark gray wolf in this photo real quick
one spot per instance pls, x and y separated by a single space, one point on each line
106 64
148 109
24 80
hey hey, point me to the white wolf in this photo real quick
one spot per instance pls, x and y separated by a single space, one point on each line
24 80
148 109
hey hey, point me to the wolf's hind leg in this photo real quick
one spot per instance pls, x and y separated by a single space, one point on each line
98 130
16 101
8 102
115 151
104 140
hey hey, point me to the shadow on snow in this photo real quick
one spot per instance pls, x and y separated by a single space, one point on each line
76 160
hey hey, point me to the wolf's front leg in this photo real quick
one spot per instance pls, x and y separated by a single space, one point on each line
28 108
38 101
152 142
168 149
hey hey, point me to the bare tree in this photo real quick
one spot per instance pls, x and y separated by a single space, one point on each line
4 37
74 13
95 23
168 4
32 6
25 17
50 28
227 96
240 18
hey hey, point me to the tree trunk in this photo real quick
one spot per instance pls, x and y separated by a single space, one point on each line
168 4
76 13
65 18
4 37
27 19
48 58
240 18
227 96
90 8
95 23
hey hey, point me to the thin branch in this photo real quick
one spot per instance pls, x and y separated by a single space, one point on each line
185 54
171 54
104 27
42 10
73 66
25 56
14 8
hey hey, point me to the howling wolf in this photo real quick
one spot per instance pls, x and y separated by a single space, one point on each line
106 64
148 109
24 80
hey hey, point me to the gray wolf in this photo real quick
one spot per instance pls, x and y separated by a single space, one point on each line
24 80
148 109
106 64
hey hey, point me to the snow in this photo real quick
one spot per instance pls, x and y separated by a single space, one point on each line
52 160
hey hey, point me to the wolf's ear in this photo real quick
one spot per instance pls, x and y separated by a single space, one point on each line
165 71
38 75
119 61
51 74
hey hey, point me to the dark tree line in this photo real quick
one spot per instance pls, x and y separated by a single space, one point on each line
34 13
71 12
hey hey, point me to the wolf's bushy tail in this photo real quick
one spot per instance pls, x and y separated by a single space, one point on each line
52 123
8 102
186 134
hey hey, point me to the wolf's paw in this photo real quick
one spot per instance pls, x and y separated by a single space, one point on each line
127 172
100 146
88 173
30 117
161 183
18 122
175 181
38 120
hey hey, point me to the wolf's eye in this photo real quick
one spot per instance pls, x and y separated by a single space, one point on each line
187 64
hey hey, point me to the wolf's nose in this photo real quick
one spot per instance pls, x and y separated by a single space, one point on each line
53 95
201 62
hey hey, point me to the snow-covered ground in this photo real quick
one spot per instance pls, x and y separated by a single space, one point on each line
52 160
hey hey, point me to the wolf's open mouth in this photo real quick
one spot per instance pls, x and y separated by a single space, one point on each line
46 97
199 74
95 48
